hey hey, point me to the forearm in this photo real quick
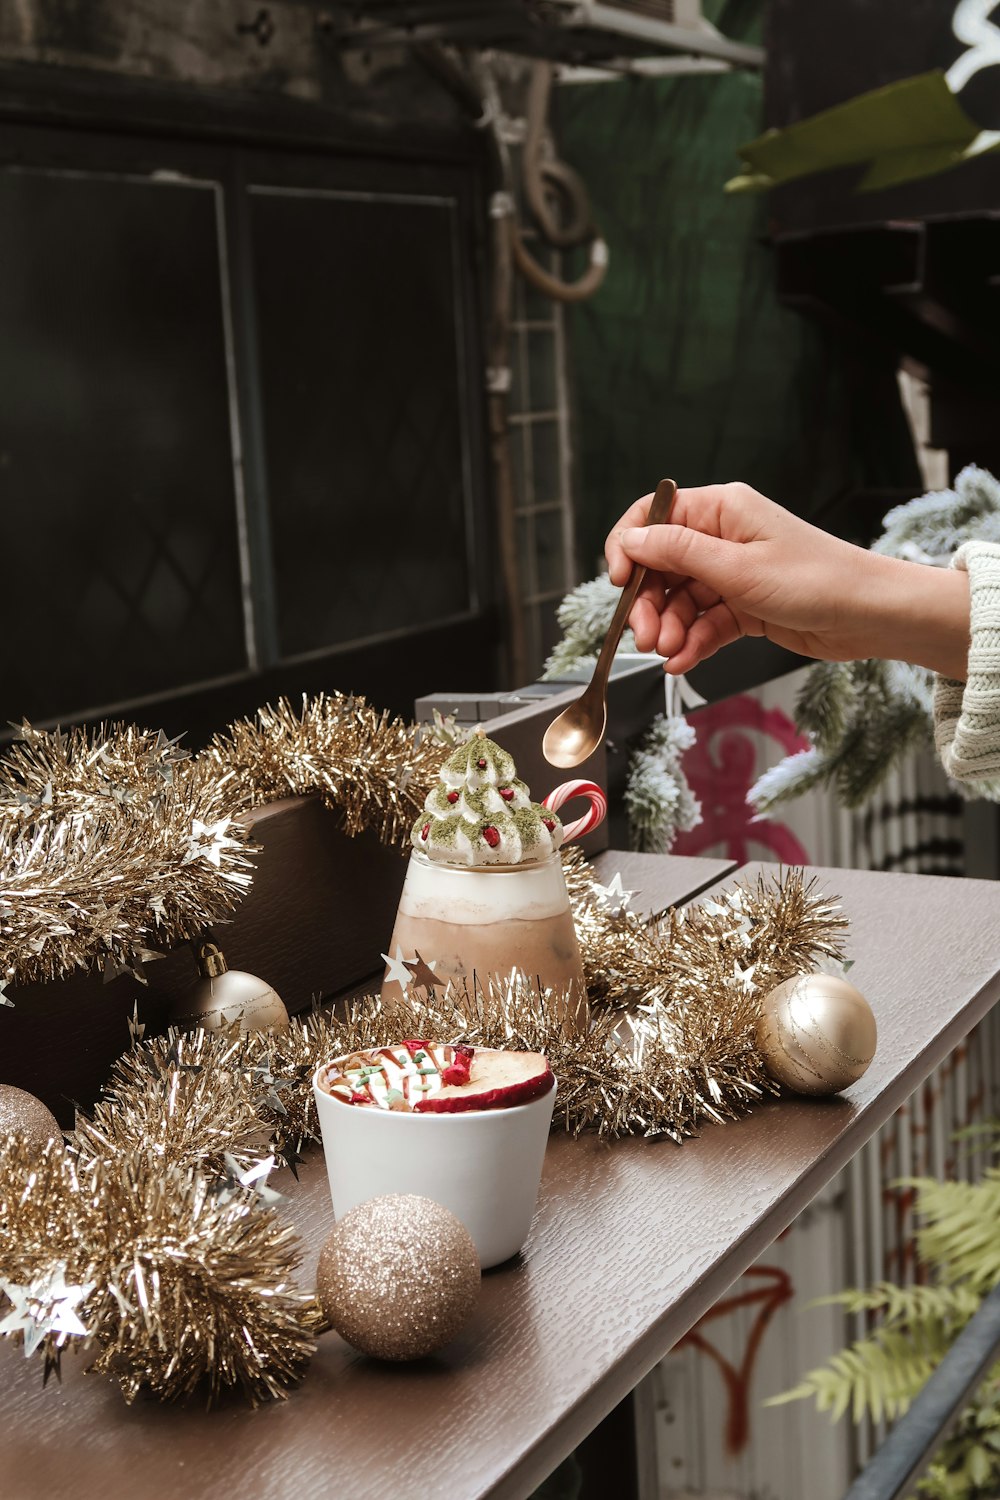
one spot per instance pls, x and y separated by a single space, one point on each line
919 614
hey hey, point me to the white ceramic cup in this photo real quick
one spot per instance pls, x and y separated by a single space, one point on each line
485 1165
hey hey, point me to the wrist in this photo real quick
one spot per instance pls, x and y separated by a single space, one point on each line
920 614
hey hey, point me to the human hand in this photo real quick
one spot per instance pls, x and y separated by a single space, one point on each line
732 563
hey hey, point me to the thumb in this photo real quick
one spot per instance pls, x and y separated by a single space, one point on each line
685 551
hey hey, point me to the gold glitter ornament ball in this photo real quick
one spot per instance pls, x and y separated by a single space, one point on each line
398 1276
816 1033
21 1111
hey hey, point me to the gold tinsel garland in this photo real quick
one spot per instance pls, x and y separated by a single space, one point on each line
151 1235
371 768
172 1276
112 847
116 845
673 1006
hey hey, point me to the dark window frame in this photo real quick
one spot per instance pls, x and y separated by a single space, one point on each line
269 145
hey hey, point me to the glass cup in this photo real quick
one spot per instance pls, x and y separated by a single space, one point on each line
486 920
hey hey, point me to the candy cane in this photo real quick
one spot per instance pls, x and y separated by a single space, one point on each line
591 820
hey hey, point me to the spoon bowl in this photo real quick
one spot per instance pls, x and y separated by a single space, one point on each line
579 729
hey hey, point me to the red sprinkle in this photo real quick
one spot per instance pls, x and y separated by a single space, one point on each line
458 1071
481 763
425 831
491 836
550 825
357 1098
452 796
507 793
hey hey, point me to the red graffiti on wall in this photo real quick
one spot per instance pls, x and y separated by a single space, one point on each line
721 767
777 1289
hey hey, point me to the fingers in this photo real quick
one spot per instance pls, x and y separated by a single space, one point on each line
679 615
716 628
731 511
645 623
620 566
661 624
644 618
680 550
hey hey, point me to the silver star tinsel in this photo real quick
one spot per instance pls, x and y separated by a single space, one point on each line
169 1284
116 845
151 1237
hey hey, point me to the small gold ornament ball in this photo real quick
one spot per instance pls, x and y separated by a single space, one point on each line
227 998
398 1276
816 1033
20 1110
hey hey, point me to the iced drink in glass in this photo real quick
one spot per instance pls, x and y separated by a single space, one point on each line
484 890
489 921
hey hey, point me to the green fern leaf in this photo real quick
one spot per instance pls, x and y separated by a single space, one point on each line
978 1465
960 1234
913 1305
879 1374
800 1392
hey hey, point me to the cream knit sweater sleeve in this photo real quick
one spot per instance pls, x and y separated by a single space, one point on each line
967 714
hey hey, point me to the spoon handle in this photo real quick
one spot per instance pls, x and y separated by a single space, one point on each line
659 512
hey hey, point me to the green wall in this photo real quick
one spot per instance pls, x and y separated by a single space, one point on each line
684 363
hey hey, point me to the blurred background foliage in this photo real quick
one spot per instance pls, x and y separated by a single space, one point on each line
684 362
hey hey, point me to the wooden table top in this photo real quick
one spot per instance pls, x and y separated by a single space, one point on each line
630 1245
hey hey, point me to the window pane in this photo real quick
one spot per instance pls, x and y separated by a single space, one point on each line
116 480
363 420
546 466
550 551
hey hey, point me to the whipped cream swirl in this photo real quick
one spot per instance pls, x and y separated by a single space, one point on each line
480 813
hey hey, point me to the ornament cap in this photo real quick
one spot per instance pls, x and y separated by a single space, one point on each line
211 959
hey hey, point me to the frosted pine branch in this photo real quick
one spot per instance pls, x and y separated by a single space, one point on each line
658 799
585 615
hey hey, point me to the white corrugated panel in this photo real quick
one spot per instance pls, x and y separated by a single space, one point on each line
858 1231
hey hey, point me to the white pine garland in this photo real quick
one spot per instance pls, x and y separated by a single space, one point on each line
864 716
658 799
585 615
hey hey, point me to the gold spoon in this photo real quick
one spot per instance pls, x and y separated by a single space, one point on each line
579 729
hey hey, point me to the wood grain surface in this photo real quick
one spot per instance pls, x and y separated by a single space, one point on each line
630 1245
660 880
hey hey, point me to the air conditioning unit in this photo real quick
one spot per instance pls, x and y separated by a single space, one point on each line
580 33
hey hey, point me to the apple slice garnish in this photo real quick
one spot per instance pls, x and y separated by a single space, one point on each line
491 1080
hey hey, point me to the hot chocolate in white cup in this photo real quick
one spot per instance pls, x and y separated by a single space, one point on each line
484 1165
